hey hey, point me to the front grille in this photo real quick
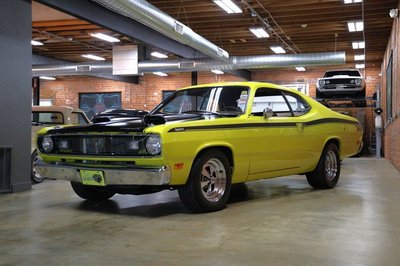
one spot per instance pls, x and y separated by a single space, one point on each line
340 81
100 145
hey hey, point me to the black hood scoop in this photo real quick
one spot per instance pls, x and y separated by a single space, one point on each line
126 124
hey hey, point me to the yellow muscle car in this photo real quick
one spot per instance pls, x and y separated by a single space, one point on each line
200 141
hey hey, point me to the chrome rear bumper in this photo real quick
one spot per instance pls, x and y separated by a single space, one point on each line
113 176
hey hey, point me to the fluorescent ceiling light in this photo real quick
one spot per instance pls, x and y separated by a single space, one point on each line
104 37
278 49
228 6
360 65
161 74
94 57
259 32
47 78
300 69
359 57
352 1
36 43
355 26
216 71
159 55
358 45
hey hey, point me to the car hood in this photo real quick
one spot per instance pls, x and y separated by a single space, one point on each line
127 124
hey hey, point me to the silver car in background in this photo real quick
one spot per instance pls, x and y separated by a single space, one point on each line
347 83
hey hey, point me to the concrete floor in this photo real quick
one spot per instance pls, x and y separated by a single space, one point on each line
272 222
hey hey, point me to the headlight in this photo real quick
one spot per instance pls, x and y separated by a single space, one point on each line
47 144
358 81
153 144
321 82
352 81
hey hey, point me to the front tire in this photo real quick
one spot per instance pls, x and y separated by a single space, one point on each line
326 175
35 176
91 192
209 183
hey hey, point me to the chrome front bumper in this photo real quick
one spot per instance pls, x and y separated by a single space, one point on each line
113 176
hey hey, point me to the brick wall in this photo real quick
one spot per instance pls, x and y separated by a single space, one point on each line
392 125
146 95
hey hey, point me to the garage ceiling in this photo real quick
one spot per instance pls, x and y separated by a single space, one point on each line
301 26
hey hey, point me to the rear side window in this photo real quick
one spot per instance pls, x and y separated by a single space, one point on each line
298 105
52 118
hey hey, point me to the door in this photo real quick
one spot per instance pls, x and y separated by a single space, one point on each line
277 142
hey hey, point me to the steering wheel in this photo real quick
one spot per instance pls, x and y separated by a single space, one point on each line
232 108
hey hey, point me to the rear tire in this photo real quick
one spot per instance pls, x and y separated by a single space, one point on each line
91 192
209 183
326 174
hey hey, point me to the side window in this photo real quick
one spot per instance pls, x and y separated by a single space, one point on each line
273 99
48 118
298 105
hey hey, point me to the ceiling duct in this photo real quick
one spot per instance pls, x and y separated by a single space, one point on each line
149 15
182 65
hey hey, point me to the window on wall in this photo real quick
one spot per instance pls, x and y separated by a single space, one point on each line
389 90
94 103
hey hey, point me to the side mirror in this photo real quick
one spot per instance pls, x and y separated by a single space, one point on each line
268 112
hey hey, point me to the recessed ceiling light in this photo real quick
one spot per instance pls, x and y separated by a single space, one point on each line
360 66
352 1
47 78
159 55
36 43
161 74
216 71
359 57
358 45
94 57
300 69
355 26
278 49
104 37
243 40
259 32
228 6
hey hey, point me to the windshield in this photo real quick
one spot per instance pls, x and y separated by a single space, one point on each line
351 73
227 100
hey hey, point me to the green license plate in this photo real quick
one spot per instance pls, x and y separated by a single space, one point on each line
92 178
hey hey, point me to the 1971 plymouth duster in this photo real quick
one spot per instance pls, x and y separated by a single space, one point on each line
200 141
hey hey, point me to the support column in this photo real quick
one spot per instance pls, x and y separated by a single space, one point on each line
36 90
15 90
194 78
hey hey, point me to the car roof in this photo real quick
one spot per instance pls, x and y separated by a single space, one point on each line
66 109
253 84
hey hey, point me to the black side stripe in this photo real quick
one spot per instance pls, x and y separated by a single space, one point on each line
261 125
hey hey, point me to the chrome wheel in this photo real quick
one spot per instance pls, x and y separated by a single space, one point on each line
35 176
213 180
331 165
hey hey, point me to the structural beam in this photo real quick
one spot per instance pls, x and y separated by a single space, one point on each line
96 14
